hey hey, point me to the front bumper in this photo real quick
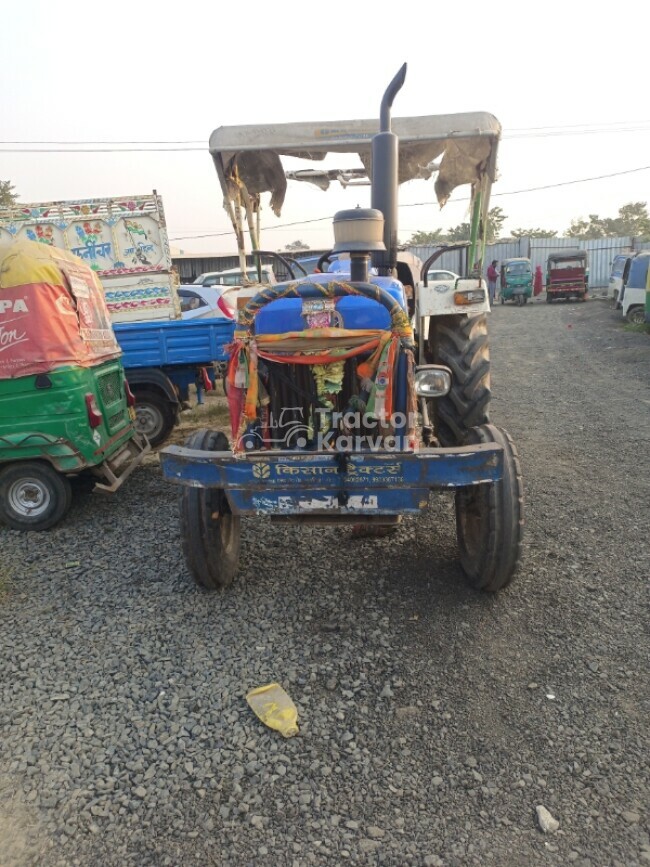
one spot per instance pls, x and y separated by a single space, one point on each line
327 483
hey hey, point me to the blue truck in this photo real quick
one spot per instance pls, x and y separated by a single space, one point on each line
162 359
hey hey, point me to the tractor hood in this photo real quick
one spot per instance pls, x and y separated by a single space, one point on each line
459 148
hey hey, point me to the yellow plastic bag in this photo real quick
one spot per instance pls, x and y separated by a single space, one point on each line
274 708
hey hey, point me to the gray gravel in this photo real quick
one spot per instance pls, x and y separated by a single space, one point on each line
434 721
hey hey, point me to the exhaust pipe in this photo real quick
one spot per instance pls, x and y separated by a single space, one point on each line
385 178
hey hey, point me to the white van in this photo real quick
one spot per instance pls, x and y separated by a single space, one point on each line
618 277
634 305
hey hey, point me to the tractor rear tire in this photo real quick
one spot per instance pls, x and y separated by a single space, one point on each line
489 519
461 344
209 531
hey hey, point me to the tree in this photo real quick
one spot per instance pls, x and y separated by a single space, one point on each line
533 233
591 228
296 246
423 239
7 195
633 220
495 220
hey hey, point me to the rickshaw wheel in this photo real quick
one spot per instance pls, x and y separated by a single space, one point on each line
489 519
461 344
210 533
33 496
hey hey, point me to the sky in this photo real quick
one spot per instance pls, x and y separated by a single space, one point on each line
556 75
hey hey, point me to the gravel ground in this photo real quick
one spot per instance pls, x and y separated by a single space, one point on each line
434 721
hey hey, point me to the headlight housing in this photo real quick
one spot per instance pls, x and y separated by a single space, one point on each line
469 296
432 380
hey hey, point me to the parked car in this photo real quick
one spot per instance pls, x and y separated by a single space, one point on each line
198 302
233 277
618 277
309 263
434 276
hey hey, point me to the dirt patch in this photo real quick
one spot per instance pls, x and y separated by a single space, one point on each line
21 843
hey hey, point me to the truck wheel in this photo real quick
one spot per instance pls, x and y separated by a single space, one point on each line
209 531
33 496
489 519
461 343
154 416
636 315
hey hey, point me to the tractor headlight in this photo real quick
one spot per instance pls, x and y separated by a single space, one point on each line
471 296
432 380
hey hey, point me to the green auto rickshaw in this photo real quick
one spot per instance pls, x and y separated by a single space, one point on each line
516 280
65 405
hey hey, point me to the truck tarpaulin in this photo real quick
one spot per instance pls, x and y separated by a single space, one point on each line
52 312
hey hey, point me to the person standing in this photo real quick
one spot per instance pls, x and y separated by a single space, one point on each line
492 277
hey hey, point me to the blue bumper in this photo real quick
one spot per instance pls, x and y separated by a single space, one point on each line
300 483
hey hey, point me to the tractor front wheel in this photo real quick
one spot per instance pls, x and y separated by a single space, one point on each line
461 344
210 533
489 519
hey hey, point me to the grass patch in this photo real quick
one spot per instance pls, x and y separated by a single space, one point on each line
637 328
209 411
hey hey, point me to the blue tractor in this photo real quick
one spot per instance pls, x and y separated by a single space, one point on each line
355 393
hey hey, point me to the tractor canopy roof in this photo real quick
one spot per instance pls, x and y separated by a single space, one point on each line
460 148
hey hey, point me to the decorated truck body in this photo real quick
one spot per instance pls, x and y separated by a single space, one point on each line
123 240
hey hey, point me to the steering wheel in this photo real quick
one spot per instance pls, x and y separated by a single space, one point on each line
326 257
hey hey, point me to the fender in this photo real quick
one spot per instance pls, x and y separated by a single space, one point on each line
152 377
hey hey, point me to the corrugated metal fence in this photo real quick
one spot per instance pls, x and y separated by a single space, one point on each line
600 251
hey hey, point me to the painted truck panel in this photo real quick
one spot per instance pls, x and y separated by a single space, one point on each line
123 240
